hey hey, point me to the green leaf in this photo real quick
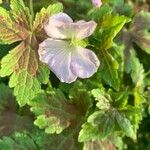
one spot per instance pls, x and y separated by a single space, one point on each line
102 98
9 20
99 126
18 141
42 17
104 121
88 132
110 26
109 70
98 13
23 69
22 63
5 92
122 7
140 30
55 113
17 5
125 125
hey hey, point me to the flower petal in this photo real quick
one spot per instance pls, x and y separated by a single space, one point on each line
82 29
84 62
61 26
57 55
55 28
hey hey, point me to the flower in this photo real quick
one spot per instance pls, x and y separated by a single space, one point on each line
97 3
64 51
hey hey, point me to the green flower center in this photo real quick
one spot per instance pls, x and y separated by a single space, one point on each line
78 42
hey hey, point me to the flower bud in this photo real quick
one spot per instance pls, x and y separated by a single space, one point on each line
97 3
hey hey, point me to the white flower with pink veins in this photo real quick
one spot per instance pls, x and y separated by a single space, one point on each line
64 51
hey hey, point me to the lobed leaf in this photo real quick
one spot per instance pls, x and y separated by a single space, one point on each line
9 20
110 26
55 113
22 63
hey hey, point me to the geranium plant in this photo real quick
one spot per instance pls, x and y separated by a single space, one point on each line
74 75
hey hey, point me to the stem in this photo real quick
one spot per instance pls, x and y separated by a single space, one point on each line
147 73
31 8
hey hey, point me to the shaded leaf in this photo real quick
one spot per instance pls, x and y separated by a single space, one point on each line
98 145
18 141
55 113
135 68
10 121
125 125
104 121
140 30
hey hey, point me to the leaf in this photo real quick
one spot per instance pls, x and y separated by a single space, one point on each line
104 121
12 19
65 140
135 68
42 17
55 113
109 70
99 126
98 145
5 92
88 132
102 98
140 30
10 121
18 141
36 139
122 7
22 63
125 125
109 28
98 13
23 69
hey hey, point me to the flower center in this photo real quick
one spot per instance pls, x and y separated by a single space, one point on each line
78 42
